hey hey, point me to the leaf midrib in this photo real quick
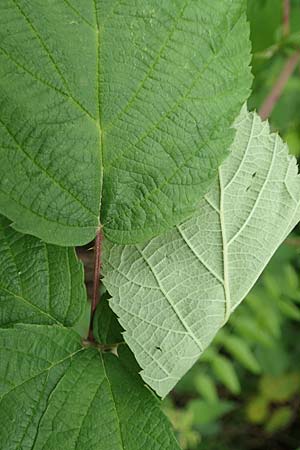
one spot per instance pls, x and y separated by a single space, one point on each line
181 98
99 118
113 400
227 294
165 182
151 68
181 319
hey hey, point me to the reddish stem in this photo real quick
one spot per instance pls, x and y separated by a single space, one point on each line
293 241
96 284
275 94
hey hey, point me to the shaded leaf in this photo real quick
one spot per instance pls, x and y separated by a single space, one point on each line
280 419
275 359
225 372
106 327
241 351
281 388
266 316
206 387
39 283
251 330
257 410
205 413
289 309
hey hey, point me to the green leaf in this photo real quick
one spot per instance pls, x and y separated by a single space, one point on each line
123 107
251 330
272 285
207 412
39 283
289 309
174 292
291 278
55 394
274 360
264 311
225 372
83 324
241 351
281 388
280 419
257 410
206 387
106 327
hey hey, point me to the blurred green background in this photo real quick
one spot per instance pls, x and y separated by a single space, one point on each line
244 393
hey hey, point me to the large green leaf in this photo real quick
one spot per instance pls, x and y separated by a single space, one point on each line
118 106
174 292
55 394
39 283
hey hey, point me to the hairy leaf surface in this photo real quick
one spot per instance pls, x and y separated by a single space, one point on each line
174 292
55 394
115 112
39 283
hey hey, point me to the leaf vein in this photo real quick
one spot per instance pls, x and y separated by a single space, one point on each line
181 319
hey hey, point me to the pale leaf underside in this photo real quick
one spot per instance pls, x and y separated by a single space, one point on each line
174 292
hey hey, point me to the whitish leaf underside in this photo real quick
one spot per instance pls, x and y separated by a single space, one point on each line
174 292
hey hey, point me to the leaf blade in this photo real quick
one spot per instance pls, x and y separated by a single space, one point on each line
134 126
39 283
176 291
70 393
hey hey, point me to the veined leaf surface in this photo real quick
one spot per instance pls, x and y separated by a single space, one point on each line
39 283
174 292
115 112
55 394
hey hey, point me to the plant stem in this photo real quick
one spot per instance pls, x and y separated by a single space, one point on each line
286 17
270 102
96 284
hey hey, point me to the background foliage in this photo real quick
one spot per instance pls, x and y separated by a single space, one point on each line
244 394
